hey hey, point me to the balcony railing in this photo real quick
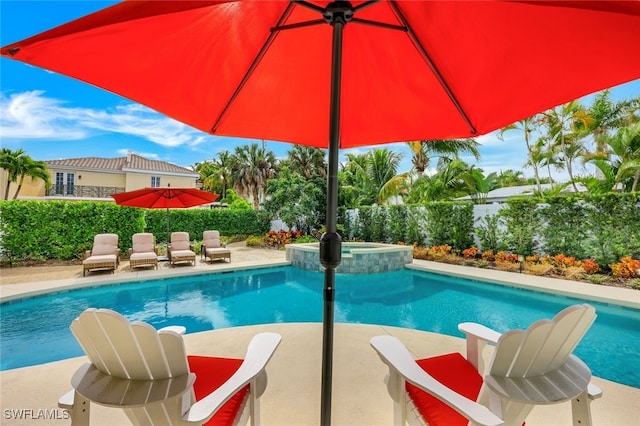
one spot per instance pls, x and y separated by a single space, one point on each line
84 191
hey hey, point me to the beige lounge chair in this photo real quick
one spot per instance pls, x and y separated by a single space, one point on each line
211 248
104 255
532 367
147 373
180 250
143 251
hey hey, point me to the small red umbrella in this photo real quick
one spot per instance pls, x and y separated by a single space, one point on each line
161 198
345 74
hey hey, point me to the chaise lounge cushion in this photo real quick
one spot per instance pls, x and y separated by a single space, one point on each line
104 244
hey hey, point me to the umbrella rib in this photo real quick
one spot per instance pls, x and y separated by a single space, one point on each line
433 67
299 25
252 67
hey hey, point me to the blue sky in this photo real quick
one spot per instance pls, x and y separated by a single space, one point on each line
51 116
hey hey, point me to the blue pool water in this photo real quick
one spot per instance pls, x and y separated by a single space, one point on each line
34 331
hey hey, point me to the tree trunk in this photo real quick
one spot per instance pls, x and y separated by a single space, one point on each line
256 200
15 196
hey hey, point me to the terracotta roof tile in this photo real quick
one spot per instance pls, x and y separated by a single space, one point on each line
114 164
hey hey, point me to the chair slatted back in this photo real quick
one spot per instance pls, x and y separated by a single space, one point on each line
135 351
544 347
211 239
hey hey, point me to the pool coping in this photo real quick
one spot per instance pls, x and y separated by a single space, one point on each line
625 297
17 292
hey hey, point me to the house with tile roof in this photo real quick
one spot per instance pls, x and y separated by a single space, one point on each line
96 178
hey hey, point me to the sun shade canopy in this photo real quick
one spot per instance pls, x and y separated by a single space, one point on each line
424 70
161 198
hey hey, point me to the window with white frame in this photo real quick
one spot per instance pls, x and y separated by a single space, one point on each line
155 181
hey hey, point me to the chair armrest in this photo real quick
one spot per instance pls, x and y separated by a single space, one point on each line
479 331
259 352
403 366
593 391
130 251
477 337
87 254
66 400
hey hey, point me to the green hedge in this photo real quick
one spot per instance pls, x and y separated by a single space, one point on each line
64 230
438 223
196 221
603 227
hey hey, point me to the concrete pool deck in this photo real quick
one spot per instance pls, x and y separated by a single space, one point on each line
293 394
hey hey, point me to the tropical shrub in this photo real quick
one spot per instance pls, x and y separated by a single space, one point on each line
626 268
488 256
590 266
503 256
450 223
521 220
489 233
470 253
281 238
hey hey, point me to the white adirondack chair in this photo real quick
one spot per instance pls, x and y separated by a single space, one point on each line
528 368
147 373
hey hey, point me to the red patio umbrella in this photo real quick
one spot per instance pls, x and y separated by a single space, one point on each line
338 75
161 198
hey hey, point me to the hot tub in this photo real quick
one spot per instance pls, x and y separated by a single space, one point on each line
357 258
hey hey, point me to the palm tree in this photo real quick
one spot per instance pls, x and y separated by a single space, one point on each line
353 181
381 169
566 126
546 154
215 174
371 178
510 177
307 161
623 152
18 166
527 126
605 115
424 150
253 166
447 183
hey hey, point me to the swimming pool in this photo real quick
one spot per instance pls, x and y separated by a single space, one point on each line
35 331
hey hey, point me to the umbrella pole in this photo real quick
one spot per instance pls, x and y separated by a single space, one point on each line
330 242
168 233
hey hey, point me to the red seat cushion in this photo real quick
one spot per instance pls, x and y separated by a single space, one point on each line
455 372
211 373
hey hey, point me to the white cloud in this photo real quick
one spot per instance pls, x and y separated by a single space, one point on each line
32 115
29 115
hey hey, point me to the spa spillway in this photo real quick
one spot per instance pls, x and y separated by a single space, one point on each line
357 258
